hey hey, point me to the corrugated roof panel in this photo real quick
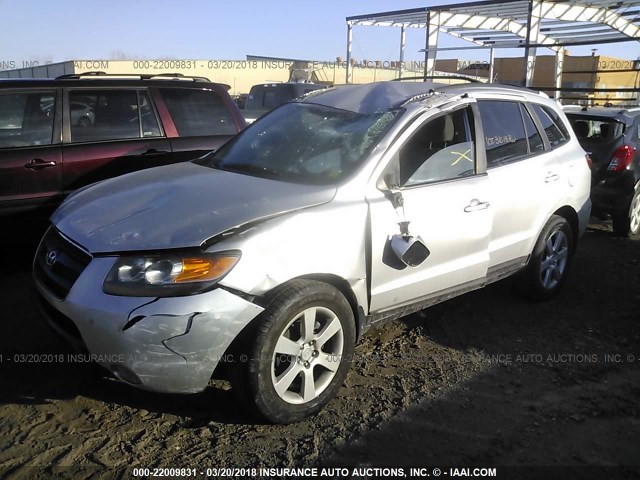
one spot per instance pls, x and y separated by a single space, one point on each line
515 10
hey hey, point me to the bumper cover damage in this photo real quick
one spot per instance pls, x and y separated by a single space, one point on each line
167 345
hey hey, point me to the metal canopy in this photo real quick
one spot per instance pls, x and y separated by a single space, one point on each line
526 24
489 22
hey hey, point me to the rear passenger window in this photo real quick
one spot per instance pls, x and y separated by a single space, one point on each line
553 126
26 119
198 113
505 139
535 140
103 115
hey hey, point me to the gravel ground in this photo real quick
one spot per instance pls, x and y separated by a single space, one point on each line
485 379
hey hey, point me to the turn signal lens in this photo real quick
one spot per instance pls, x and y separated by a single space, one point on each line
204 269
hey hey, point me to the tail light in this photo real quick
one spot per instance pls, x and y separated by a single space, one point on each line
587 157
622 158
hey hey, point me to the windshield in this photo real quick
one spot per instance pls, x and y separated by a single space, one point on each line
303 143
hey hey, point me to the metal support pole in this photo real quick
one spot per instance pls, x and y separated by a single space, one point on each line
527 40
426 44
558 71
403 40
431 50
533 30
637 66
349 41
492 59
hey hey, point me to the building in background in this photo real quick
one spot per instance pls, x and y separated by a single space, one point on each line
240 75
579 73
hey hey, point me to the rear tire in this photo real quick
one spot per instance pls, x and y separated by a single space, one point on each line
300 352
549 264
620 224
628 222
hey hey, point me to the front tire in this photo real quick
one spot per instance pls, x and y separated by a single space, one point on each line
300 353
550 260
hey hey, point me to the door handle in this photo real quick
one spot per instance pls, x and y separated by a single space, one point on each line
153 151
39 164
476 205
551 177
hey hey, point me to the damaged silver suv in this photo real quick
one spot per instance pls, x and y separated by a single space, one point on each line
338 211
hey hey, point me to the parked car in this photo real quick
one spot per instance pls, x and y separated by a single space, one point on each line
81 114
612 138
330 214
267 96
57 135
241 100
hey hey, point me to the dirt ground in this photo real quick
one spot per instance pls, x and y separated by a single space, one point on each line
487 379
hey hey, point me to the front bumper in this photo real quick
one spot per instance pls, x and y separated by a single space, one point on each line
162 344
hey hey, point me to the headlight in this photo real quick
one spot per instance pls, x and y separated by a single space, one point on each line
167 275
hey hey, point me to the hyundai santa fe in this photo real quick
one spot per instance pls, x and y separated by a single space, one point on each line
331 214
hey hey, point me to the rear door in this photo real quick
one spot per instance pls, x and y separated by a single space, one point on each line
110 132
525 177
197 120
30 150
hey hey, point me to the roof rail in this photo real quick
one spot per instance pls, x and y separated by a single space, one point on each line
434 77
77 75
433 93
176 76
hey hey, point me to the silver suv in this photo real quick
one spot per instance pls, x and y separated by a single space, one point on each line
338 211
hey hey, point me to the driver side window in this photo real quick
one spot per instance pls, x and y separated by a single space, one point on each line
441 149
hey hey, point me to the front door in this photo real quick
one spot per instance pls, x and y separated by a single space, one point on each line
447 202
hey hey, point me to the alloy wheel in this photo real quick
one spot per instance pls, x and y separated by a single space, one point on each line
634 221
307 355
554 259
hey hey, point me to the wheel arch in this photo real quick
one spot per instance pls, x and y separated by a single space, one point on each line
247 332
571 216
336 281
343 287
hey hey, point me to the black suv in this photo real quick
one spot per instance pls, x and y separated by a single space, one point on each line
611 136
57 135
264 97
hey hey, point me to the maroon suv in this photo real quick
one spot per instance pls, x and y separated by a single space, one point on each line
57 135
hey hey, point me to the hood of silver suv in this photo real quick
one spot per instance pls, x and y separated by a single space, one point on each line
176 206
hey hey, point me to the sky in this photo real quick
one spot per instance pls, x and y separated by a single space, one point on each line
53 31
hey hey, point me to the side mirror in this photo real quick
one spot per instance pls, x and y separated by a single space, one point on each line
411 251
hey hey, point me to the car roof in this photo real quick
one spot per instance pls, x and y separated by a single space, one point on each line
379 97
623 115
109 81
277 84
